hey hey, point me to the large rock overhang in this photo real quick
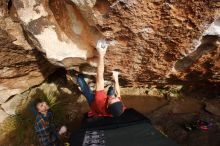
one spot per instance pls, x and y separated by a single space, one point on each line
155 41
57 28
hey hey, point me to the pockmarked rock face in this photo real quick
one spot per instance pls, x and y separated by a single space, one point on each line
162 41
155 41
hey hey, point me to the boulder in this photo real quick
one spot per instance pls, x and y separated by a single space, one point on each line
213 107
21 65
155 42
3 116
11 105
20 68
152 42
187 105
57 29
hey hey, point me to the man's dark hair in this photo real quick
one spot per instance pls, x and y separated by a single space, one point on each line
116 109
36 102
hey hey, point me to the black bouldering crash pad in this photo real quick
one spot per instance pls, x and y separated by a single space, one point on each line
130 129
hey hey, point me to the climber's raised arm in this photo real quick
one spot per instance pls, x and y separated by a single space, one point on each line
101 49
117 86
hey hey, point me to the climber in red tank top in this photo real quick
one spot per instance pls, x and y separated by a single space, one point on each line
102 104
107 104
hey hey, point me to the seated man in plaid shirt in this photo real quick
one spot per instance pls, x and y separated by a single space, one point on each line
44 126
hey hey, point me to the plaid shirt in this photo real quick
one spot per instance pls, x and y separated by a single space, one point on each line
45 129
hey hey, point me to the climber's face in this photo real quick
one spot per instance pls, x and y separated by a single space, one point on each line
42 107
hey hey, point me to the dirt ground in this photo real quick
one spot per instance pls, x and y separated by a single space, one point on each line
170 117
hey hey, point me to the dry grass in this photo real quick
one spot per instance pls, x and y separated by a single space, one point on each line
20 127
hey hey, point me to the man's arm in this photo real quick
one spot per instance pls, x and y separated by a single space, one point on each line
101 48
117 86
100 74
